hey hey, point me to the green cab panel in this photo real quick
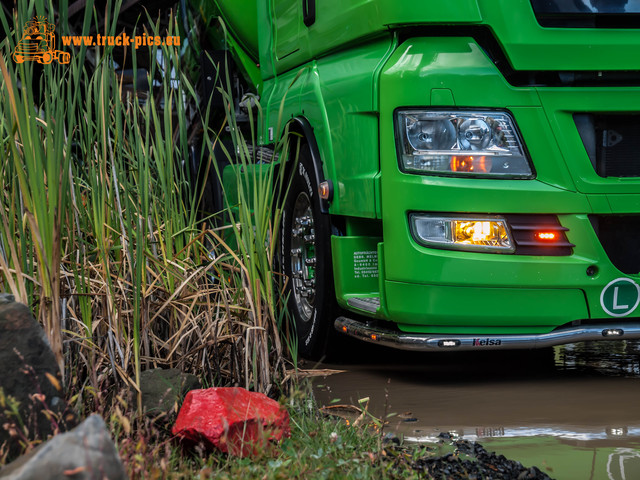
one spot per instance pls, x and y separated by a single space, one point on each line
340 25
336 96
284 39
525 43
287 15
529 46
355 265
452 309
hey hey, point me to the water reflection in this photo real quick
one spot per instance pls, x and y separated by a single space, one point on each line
567 460
608 358
611 435
623 463
572 409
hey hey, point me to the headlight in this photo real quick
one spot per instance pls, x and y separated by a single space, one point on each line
464 232
466 143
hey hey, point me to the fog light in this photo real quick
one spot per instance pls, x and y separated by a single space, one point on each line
488 234
449 343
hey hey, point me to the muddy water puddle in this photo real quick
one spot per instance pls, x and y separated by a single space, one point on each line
573 411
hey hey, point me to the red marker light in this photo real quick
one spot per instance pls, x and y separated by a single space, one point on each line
546 236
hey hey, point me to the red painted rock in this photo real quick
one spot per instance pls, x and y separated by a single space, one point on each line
233 420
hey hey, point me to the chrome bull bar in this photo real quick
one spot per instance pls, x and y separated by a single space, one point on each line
426 342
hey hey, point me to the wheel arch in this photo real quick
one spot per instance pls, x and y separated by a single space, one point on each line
302 127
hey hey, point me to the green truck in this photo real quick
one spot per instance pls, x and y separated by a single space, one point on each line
470 175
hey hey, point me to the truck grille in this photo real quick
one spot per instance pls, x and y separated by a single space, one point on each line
618 235
612 143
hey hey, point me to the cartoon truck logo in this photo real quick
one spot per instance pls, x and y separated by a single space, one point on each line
38 43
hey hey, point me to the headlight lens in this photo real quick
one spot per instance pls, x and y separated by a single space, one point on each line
472 232
466 143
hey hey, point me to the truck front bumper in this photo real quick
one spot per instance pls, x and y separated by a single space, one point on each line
370 332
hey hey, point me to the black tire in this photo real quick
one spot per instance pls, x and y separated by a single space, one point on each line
305 253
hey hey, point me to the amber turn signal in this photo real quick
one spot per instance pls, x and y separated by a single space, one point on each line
471 164
325 190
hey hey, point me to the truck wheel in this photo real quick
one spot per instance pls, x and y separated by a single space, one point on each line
306 261
18 58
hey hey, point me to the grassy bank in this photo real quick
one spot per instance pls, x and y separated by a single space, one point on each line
99 225
319 447
102 233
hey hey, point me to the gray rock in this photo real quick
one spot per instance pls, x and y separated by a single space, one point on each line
30 375
6 298
85 453
161 388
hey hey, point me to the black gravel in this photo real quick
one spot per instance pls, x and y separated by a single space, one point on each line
470 460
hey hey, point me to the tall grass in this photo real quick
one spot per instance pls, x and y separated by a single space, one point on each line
255 211
99 232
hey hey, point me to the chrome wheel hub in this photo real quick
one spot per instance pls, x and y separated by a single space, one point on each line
303 256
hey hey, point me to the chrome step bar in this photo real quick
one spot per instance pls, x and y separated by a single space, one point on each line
368 304
426 342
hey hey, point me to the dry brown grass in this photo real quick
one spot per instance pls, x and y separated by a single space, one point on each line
99 232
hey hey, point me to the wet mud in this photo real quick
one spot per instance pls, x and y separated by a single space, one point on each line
573 411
